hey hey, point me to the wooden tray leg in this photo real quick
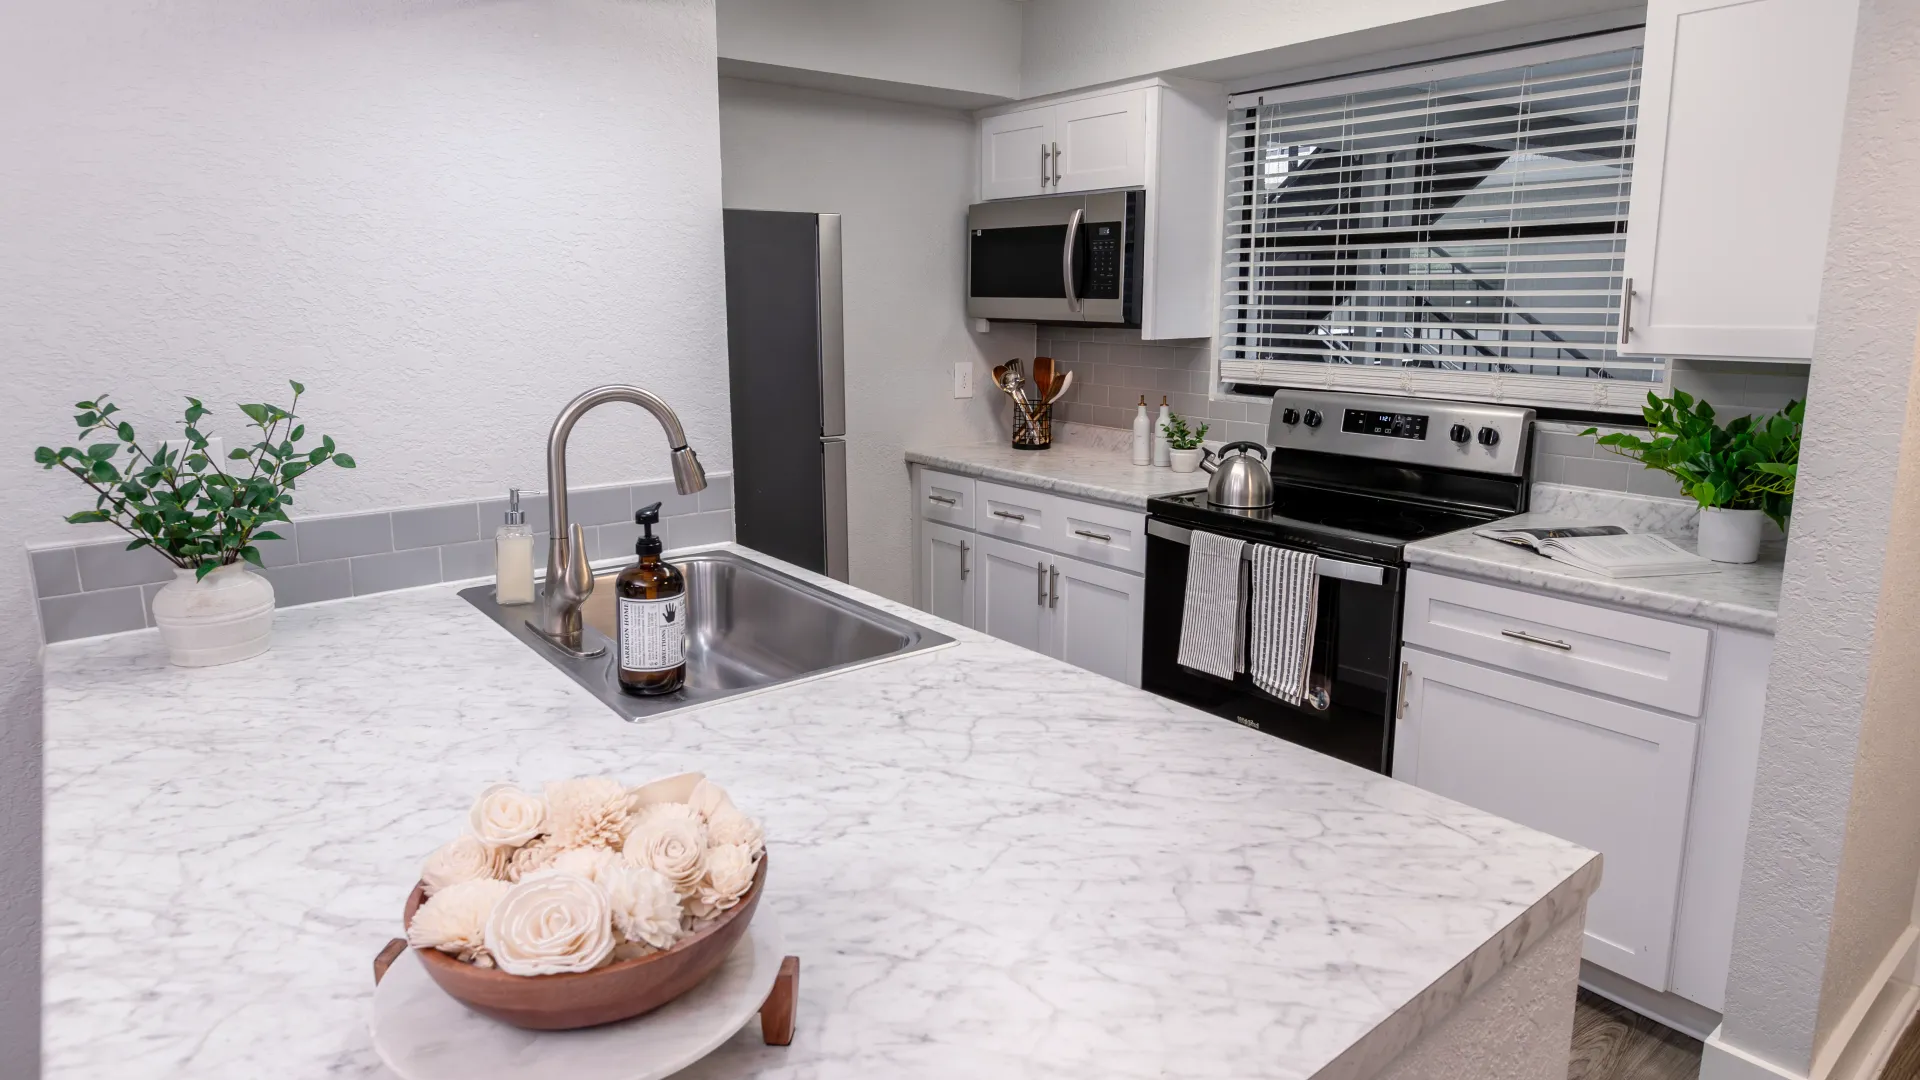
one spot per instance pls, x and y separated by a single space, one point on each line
778 1014
385 958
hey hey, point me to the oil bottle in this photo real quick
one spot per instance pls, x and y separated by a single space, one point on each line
652 600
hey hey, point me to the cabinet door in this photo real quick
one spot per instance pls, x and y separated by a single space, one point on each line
1103 142
1016 154
1602 774
946 572
1096 614
1738 147
1010 592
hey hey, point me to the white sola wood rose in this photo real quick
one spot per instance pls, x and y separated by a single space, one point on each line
730 869
505 816
454 920
553 924
464 858
730 826
670 839
589 812
646 908
591 863
707 798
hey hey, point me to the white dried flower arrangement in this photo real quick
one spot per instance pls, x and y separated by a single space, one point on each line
587 872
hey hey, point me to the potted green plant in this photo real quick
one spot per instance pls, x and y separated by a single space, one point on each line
1737 473
201 515
1183 444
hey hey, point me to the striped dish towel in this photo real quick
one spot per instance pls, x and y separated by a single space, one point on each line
1283 604
1210 615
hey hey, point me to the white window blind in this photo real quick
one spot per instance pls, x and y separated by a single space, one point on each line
1458 235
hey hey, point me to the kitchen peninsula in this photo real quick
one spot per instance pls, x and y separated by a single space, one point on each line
990 862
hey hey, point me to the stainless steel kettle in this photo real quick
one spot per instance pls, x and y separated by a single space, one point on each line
1239 482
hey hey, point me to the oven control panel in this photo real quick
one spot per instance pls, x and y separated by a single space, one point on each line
1460 435
1393 425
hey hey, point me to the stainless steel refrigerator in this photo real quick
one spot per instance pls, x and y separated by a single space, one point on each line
786 353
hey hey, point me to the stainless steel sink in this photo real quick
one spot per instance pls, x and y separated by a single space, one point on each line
748 627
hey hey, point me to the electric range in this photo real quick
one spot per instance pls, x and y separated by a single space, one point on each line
1357 477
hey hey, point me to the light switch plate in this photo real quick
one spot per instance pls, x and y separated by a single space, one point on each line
963 379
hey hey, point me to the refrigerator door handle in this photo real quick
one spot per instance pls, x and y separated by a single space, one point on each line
833 476
833 332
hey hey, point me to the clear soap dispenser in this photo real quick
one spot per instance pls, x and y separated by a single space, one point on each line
513 556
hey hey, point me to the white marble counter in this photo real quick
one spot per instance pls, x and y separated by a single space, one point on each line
1745 596
991 863
1094 464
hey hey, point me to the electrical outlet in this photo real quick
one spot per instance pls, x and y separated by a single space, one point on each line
963 379
217 451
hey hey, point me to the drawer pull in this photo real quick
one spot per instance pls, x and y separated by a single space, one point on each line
1522 635
1102 537
943 499
1010 515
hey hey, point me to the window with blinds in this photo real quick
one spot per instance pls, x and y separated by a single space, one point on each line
1460 235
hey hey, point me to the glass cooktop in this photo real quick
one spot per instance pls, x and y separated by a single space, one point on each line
1320 517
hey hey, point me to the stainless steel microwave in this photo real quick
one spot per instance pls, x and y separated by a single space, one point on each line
1056 259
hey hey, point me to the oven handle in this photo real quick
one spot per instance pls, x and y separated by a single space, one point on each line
1363 573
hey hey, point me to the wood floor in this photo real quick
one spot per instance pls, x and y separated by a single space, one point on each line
1904 1064
1611 1043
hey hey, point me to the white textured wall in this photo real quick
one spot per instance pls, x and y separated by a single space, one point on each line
445 217
1830 865
901 177
966 45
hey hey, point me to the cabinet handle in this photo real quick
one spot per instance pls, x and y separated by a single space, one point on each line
1053 586
1406 681
1102 537
943 499
1042 568
1626 310
1009 515
1522 635
1044 158
1056 164
963 560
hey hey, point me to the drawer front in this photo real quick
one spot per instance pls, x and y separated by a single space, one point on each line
944 497
1617 653
1014 513
1108 535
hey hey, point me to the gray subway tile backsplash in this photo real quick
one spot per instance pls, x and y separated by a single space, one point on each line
100 588
431 526
322 539
394 570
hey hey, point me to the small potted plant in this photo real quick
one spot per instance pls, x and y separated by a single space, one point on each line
201 516
1183 445
1737 473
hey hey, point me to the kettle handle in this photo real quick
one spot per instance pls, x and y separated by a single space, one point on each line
1243 445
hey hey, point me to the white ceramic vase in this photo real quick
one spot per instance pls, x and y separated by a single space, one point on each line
223 617
1184 460
1730 536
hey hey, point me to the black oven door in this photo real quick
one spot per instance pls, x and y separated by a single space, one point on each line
1356 659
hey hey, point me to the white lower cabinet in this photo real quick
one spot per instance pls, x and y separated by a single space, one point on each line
945 572
1604 774
1011 576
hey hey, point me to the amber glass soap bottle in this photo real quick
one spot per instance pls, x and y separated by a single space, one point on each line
652 599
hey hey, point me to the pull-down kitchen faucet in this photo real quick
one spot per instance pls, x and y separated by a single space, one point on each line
569 578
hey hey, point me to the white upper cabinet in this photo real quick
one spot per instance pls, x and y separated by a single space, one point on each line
1016 154
1103 142
1738 148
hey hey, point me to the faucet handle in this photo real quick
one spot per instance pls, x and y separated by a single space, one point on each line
576 577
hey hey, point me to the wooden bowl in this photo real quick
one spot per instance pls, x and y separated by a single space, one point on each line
618 991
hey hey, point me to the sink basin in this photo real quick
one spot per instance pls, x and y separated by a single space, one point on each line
749 627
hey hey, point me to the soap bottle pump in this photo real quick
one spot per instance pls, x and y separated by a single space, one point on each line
652 602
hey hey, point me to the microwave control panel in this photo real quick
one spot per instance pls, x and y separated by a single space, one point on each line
1103 260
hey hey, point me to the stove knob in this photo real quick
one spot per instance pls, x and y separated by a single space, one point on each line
1460 433
1489 437
1290 417
1313 418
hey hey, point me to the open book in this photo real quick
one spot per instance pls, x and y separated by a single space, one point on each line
1606 549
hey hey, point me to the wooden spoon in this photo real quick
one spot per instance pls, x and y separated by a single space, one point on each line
1042 375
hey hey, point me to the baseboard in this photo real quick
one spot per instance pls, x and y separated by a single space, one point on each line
1858 1046
1676 1012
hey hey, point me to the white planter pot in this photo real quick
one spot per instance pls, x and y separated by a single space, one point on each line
223 617
1730 536
1184 460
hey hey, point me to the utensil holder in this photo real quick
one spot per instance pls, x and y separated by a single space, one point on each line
1032 427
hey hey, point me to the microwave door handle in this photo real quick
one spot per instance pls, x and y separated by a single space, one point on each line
1066 258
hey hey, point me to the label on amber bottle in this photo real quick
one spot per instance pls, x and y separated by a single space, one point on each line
653 633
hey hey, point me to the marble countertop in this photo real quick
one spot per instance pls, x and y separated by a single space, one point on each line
1744 596
1088 464
990 863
